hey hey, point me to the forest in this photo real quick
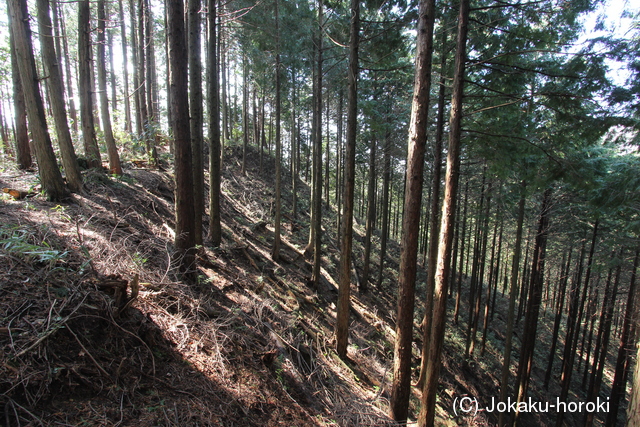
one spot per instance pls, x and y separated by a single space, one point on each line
319 212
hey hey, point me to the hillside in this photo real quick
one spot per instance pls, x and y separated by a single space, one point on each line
97 328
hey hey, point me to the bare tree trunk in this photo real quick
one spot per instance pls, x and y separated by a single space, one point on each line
624 350
112 150
371 214
195 108
275 254
434 219
245 113
136 74
215 229
602 342
535 297
23 150
185 227
564 278
316 225
50 176
513 295
428 408
386 181
479 282
461 275
633 409
112 72
92 152
295 152
67 152
125 68
572 320
60 24
401 385
342 317
485 317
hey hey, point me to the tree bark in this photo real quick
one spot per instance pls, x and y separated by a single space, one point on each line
316 225
386 182
56 91
602 342
371 214
136 74
401 385
50 176
215 229
185 227
564 278
434 218
461 274
426 416
67 64
125 68
91 150
572 320
624 350
633 410
112 150
195 108
342 317
23 150
513 295
535 297
275 254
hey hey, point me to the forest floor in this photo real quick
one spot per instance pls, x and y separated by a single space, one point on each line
97 329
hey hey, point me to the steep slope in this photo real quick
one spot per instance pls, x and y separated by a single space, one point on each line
96 328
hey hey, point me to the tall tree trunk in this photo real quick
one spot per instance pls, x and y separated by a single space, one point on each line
513 295
57 13
112 72
67 152
461 274
295 152
142 87
485 317
535 298
185 227
112 150
371 214
386 181
245 113
339 165
92 152
484 237
428 408
215 229
602 342
317 185
342 317
23 150
195 108
434 218
136 74
401 385
624 350
633 409
572 320
589 327
564 278
50 176
473 282
275 254
125 68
